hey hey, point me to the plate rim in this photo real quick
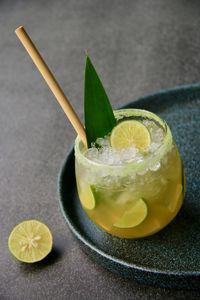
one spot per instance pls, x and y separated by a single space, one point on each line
85 241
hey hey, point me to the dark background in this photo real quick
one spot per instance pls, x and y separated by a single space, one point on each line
138 47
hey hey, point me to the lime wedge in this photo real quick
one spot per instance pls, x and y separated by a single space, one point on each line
87 197
134 216
130 133
30 241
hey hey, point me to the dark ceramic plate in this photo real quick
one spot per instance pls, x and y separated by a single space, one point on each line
170 258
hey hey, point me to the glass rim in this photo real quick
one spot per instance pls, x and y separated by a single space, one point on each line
138 166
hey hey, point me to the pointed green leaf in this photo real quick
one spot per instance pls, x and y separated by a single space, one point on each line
99 117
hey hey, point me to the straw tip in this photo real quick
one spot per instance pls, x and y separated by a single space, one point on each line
19 28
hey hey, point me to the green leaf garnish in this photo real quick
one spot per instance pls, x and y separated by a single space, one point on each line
99 117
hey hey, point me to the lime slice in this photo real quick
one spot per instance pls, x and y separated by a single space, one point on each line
177 195
87 197
30 241
134 216
130 133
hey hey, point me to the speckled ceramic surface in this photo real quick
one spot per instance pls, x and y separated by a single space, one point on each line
170 258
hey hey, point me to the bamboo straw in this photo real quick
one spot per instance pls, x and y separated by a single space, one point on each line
52 82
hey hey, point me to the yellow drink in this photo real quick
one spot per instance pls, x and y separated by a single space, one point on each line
138 197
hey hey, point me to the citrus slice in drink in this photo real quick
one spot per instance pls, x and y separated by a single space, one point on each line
134 216
30 241
130 133
87 197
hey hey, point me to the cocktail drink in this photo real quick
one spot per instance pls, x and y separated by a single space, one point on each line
129 174
134 190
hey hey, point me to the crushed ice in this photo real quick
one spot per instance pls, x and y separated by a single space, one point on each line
107 155
111 156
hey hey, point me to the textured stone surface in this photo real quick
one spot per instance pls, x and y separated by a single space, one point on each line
138 47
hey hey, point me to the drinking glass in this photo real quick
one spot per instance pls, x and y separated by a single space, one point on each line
137 198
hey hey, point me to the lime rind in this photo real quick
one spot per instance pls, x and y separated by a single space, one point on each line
30 241
134 216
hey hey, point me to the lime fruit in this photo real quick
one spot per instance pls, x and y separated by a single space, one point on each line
87 197
134 216
130 133
30 241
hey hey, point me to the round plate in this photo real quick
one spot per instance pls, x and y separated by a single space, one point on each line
170 258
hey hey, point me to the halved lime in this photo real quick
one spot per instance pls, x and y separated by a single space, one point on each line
87 197
30 241
130 133
134 216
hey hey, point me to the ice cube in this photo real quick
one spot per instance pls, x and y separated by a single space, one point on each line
155 167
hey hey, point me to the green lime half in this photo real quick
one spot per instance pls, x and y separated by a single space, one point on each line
87 197
30 241
134 216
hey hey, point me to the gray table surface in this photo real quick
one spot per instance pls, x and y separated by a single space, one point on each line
138 47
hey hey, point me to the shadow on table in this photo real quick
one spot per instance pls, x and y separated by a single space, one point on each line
51 258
